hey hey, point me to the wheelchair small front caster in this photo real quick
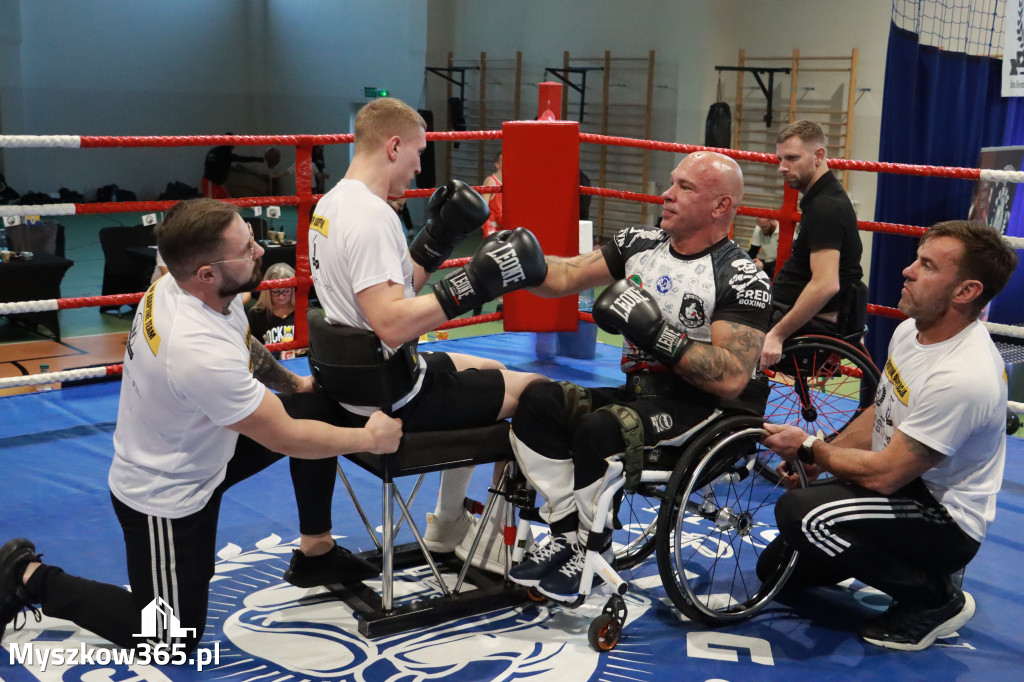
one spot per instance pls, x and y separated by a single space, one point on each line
606 629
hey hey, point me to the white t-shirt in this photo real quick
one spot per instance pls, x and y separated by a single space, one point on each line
950 396
156 270
187 375
769 244
356 241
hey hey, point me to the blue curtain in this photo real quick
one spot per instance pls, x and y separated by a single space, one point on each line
1006 308
940 109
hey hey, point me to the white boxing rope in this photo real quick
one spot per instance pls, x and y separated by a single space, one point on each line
54 377
1014 242
993 175
68 141
1004 329
38 209
17 307
1016 408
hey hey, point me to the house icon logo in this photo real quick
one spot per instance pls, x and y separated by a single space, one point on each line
159 622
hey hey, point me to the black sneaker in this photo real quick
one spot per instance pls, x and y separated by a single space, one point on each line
563 584
14 556
541 560
912 629
336 566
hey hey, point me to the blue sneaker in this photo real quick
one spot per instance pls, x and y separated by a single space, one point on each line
563 584
542 560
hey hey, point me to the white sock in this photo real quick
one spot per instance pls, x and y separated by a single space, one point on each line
452 493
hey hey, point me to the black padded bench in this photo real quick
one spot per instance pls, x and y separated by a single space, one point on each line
422 453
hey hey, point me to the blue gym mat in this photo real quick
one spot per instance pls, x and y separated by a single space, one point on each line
56 450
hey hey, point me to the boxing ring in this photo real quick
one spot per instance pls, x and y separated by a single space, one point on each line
56 450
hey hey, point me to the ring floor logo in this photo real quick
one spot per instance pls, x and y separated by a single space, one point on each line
261 628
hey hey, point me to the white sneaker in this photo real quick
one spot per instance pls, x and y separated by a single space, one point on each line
490 552
444 536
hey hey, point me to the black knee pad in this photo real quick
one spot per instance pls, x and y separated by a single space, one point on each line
548 416
599 436
613 430
560 401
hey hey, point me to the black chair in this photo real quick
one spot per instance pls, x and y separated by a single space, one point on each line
122 273
853 314
38 278
44 237
420 453
259 227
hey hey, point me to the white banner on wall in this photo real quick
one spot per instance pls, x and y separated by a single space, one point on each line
1013 49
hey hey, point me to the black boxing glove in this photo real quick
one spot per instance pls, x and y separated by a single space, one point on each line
624 308
506 261
454 210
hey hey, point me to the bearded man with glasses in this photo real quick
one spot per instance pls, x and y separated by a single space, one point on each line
197 414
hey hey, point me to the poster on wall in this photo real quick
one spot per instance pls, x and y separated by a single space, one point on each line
999 204
1013 49
993 200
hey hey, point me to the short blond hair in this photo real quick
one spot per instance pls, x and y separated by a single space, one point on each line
275 271
383 118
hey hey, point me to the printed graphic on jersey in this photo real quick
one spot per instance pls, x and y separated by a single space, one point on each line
664 284
752 285
661 422
692 313
319 224
899 388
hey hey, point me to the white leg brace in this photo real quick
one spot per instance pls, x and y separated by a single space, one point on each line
552 478
587 499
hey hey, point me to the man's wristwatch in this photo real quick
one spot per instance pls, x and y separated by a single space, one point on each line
805 453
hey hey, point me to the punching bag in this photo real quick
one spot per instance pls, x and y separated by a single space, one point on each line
717 129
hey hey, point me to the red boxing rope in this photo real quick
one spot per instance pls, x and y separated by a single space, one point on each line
110 141
304 198
762 157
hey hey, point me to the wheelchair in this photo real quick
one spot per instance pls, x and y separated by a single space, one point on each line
822 383
705 516
705 502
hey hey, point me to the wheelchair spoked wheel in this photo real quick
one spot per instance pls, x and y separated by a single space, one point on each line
821 384
714 524
638 516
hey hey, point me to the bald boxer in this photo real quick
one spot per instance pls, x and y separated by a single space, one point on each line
693 310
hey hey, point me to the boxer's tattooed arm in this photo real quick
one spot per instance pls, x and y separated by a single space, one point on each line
729 360
268 371
577 261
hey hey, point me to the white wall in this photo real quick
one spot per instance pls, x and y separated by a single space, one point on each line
150 67
690 38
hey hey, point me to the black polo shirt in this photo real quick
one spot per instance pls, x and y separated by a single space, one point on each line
828 221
